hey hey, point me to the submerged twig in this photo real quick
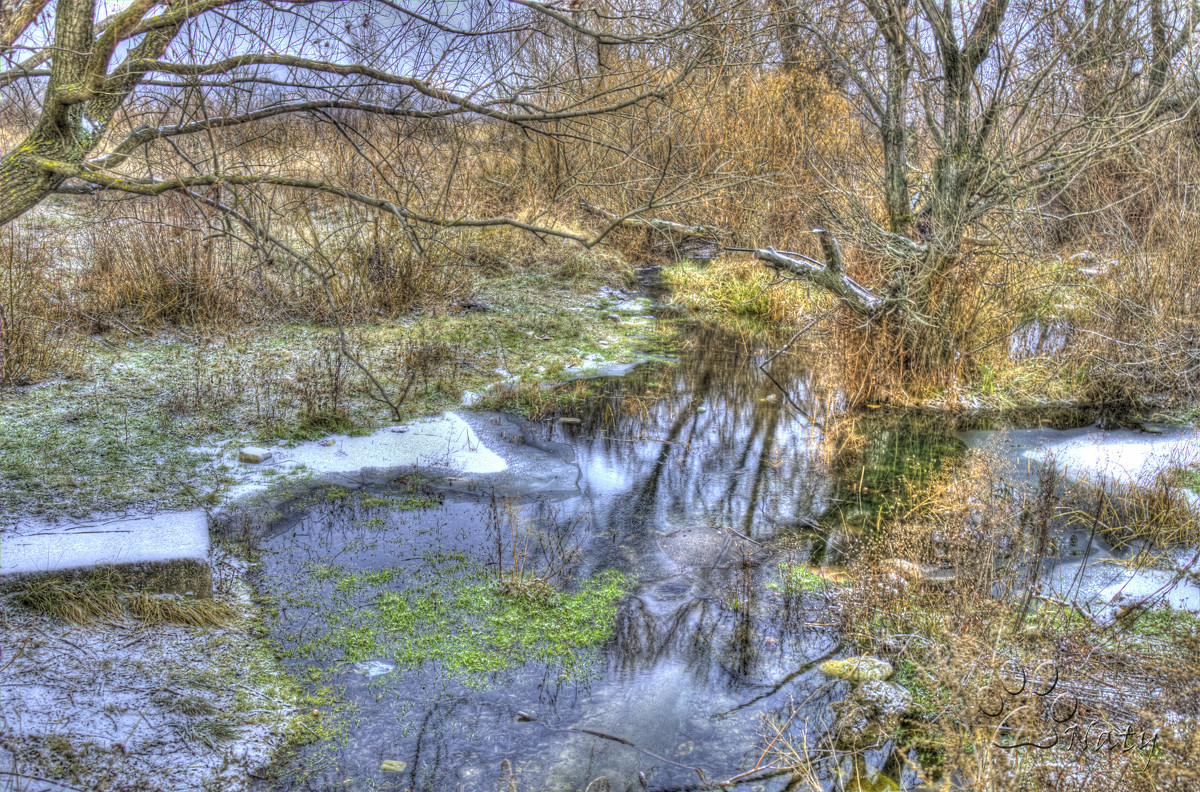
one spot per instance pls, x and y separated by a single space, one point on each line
525 716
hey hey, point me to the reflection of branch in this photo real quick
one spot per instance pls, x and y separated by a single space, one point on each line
526 717
779 685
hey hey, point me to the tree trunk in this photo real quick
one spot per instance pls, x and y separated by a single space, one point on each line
23 184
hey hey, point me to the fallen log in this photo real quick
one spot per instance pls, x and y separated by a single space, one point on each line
830 276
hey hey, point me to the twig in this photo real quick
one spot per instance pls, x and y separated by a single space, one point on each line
791 340
525 716
1056 601
39 779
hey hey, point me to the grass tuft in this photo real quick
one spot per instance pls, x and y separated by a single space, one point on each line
88 598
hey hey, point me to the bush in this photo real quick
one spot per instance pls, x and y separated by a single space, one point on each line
160 267
33 338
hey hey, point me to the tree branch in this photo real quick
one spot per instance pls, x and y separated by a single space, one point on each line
829 276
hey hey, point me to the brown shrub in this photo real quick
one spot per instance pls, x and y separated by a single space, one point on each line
34 339
160 266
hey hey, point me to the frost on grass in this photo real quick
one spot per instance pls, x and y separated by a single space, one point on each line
117 705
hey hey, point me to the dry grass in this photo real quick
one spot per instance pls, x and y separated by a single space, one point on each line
154 609
955 644
1155 511
35 340
103 595
78 602
740 287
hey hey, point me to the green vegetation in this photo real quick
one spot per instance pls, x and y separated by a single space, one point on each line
452 613
147 415
1180 628
1188 477
796 578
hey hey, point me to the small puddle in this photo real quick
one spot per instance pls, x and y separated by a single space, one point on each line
674 630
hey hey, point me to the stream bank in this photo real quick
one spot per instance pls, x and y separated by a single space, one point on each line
696 528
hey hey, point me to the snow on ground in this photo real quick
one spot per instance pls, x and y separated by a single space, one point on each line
122 705
1128 456
444 443
1121 455
1108 579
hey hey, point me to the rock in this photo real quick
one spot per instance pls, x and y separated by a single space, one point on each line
393 766
700 546
612 318
905 569
870 713
857 669
253 455
930 575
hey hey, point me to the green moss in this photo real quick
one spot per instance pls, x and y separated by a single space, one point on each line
857 669
471 628
457 618
929 697
796 578
1166 624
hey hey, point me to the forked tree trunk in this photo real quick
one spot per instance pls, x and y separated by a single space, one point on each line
23 184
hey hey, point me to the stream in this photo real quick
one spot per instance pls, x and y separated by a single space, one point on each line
673 502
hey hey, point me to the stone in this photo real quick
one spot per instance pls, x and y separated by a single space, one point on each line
253 455
908 570
374 668
870 713
929 575
699 546
393 766
164 553
612 318
857 669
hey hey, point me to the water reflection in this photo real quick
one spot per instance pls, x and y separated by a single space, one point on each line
697 479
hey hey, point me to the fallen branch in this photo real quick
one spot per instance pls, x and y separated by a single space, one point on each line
830 276
1064 604
526 717
658 225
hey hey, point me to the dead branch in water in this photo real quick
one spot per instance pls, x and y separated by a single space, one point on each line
526 717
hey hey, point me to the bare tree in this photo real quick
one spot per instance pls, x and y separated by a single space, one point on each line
170 98
976 119
445 61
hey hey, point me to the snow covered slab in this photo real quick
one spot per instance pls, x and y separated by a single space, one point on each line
167 552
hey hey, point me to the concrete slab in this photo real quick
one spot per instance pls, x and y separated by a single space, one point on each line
167 552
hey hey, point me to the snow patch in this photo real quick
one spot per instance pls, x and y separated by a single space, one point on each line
446 442
1122 455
